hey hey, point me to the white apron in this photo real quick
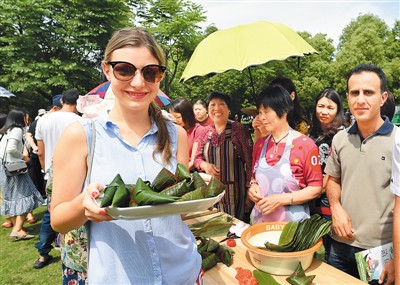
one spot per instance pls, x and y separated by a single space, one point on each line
278 179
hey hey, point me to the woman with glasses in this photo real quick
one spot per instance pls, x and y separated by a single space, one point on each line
134 140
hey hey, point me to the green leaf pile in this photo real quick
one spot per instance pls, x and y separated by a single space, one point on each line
166 188
298 236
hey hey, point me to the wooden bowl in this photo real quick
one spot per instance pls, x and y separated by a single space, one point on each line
278 263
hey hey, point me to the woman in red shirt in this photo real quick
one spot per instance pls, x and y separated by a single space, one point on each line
286 169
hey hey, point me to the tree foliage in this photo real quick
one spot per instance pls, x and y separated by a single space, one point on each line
50 46
175 25
367 39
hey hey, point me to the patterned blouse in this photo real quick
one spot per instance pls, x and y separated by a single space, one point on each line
241 139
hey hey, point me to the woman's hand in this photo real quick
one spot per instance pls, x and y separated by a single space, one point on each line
270 203
248 205
254 193
92 211
259 129
210 169
257 123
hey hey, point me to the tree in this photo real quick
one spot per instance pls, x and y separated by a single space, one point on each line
317 72
174 24
392 65
364 40
49 46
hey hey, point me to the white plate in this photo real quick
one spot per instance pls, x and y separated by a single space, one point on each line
144 212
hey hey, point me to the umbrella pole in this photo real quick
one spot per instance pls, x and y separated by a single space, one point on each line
252 85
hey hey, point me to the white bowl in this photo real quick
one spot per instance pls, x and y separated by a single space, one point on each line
278 263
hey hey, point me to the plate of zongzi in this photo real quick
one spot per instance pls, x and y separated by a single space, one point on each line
153 211
168 194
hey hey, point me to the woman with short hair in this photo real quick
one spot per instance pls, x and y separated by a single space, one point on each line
286 168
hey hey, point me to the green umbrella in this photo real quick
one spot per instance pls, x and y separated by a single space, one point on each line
244 46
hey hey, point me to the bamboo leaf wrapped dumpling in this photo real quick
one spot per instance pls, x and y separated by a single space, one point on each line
299 277
143 195
208 260
177 189
214 188
198 181
110 190
163 180
190 186
182 173
225 255
122 197
193 195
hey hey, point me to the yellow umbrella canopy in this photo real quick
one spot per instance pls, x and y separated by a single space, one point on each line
244 46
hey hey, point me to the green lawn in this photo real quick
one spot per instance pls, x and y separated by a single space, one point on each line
17 258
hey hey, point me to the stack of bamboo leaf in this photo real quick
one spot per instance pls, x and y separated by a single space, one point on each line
213 227
166 188
298 236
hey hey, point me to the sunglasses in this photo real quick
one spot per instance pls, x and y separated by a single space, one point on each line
125 71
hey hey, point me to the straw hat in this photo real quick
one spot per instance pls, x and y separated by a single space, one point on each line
250 111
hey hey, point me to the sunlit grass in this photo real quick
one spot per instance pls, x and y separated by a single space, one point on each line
17 258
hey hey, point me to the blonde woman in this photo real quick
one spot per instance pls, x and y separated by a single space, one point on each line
134 140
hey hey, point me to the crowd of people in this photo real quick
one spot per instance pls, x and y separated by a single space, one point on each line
289 169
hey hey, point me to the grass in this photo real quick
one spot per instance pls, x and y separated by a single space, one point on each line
17 258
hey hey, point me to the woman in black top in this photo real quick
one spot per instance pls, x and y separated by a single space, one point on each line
327 120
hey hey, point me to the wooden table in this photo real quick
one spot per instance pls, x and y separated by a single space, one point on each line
221 274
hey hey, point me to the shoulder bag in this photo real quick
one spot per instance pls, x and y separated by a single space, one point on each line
13 168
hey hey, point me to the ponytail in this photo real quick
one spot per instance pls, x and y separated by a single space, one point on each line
163 145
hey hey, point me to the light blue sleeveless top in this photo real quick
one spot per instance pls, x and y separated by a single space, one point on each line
151 251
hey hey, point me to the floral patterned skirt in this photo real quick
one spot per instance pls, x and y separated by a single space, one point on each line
74 255
73 277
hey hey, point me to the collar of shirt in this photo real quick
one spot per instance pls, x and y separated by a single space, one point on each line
386 127
106 123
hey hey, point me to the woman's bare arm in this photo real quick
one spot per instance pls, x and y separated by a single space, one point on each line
69 173
183 147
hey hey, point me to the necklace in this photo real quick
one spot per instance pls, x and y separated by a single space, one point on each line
276 142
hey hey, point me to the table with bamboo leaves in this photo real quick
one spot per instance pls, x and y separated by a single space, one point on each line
222 274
